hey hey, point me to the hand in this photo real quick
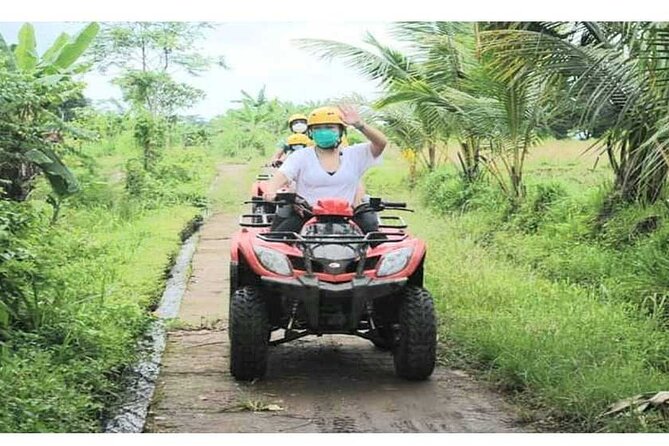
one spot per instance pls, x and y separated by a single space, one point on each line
350 115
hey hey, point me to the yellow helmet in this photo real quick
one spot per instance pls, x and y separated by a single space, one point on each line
298 138
325 115
296 117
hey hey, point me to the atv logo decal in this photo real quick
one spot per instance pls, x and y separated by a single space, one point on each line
334 265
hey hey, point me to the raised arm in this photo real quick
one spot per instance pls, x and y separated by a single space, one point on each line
350 116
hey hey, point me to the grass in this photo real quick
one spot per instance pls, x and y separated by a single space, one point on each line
95 275
572 351
537 301
561 307
61 377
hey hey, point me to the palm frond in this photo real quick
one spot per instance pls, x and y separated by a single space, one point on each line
383 64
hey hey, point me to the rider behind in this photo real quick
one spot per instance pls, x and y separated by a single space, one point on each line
297 123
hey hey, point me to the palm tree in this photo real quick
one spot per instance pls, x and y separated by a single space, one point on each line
614 68
393 70
451 91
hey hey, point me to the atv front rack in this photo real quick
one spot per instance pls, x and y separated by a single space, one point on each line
333 239
307 243
392 222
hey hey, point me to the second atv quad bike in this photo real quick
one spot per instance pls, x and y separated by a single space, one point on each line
258 189
330 278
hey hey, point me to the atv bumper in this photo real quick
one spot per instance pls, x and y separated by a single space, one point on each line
311 291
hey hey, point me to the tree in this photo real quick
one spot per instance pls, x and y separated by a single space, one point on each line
34 92
153 46
256 123
157 92
619 72
148 54
452 92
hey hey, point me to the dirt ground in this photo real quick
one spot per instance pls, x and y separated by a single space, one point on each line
314 384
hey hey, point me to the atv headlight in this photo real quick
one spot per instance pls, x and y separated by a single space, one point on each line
394 262
273 260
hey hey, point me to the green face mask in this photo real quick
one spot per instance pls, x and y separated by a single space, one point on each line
325 138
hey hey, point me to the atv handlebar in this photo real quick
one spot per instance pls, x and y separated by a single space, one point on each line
377 205
390 204
275 164
374 204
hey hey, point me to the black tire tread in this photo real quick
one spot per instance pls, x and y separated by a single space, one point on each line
415 354
249 334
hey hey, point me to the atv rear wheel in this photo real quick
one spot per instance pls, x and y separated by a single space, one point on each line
415 353
249 334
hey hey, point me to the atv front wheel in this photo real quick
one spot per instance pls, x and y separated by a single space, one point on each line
415 353
249 334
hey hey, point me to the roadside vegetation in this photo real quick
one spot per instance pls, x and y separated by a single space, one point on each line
533 153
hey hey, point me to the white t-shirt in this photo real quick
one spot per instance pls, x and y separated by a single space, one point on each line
312 181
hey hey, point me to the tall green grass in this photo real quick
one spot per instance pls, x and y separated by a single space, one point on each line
571 350
550 301
86 286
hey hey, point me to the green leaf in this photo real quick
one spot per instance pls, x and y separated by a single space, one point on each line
76 47
50 55
7 58
26 54
61 178
82 68
4 316
50 80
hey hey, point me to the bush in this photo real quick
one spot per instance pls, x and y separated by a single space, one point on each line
76 295
446 191
537 206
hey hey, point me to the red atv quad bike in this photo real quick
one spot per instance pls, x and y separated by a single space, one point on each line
258 190
330 278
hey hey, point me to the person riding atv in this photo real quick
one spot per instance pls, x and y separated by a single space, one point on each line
294 142
297 123
327 268
326 171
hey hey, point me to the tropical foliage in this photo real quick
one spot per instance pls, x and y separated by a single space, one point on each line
496 88
33 93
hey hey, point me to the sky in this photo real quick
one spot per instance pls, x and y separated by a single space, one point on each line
258 53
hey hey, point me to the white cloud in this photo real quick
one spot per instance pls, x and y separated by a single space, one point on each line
266 54
259 53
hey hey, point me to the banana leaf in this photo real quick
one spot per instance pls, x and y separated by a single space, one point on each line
61 178
25 52
76 47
